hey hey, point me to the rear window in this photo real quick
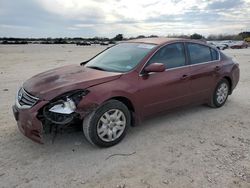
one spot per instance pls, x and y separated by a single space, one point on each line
199 53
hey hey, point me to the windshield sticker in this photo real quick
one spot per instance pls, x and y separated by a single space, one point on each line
147 46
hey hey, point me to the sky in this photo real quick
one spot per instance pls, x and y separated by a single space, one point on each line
106 18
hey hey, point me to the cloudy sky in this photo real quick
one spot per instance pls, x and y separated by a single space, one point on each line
89 18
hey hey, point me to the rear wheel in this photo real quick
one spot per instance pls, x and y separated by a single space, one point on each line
220 94
107 125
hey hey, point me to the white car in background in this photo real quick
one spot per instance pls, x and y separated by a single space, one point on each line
229 43
218 45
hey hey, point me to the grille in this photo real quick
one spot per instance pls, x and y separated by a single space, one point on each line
25 99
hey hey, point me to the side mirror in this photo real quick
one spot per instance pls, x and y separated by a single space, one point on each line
155 67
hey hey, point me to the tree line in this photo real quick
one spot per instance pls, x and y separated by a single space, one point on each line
119 37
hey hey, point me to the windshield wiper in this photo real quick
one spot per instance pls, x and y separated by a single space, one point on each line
84 62
97 68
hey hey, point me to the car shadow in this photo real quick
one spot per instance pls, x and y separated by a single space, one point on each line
75 142
158 120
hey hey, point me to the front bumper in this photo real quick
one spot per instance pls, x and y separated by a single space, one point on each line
28 123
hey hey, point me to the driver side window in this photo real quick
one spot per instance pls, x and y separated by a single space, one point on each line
172 56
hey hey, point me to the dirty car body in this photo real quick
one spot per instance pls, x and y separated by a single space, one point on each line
152 84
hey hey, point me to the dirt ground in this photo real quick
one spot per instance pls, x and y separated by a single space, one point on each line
192 147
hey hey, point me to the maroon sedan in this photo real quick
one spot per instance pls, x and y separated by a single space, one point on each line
239 45
122 85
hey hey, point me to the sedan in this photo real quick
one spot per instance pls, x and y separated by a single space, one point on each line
239 45
122 86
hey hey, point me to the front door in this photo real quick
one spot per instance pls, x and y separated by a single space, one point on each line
169 89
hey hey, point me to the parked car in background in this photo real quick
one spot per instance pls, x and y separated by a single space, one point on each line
123 85
105 43
83 43
239 45
218 45
228 43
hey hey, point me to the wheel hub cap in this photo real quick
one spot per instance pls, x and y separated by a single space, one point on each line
222 93
111 125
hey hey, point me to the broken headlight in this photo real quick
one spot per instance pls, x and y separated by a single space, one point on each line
66 104
61 110
64 107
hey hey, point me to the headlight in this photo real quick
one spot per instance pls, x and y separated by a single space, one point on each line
66 104
64 107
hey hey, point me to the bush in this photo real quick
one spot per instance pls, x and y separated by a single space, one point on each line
247 39
196 36
118 37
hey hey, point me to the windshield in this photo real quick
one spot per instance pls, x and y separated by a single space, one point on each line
122 57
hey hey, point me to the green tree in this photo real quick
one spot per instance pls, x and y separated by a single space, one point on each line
140 37
244 34
196 36
118 37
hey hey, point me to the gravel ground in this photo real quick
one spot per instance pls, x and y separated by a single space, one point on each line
192 147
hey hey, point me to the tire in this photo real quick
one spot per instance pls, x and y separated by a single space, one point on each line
111 116
220 94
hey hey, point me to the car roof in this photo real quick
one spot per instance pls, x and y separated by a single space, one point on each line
157 40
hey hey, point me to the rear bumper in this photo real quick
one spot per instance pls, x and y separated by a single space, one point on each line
28 123
235 77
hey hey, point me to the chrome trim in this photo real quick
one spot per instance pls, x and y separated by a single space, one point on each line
18 105
183 67
140 74
26 93
31 96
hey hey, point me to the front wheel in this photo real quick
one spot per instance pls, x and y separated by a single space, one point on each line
220 94
107 125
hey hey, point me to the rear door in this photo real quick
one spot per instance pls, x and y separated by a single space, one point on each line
204 70
164 90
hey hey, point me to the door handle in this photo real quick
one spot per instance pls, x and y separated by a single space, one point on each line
217 68
184 77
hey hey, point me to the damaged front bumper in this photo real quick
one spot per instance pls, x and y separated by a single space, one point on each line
35 116
28 123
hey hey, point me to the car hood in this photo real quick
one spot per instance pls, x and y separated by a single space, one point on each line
52 83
